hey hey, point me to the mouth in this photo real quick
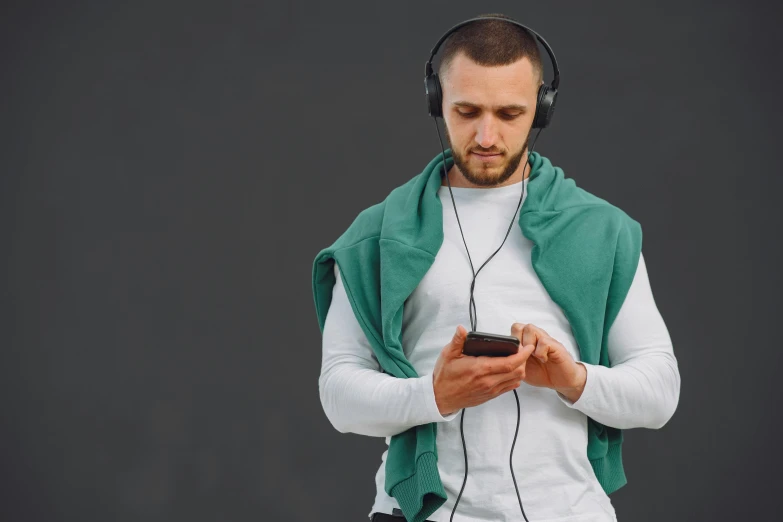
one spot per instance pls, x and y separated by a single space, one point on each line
482 156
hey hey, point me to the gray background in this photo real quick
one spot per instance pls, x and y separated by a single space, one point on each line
171 169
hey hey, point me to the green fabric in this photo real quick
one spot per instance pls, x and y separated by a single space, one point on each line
585 253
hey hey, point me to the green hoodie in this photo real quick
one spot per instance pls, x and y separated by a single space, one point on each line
585 253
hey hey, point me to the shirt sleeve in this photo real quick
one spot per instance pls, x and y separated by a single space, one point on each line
356 396
641 388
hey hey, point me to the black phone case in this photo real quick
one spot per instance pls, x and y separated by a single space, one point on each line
491 345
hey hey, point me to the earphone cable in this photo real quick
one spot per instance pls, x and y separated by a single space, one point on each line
511 458
474 318
472 312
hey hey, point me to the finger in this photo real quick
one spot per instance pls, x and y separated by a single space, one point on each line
516 330
524 353
458 340
508 363
530 335
542 350
557 353
517 375
512 387
507 385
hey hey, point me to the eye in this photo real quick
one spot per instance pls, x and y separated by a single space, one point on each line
467 114
507 116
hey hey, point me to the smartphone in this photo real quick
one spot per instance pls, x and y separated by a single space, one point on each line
492 345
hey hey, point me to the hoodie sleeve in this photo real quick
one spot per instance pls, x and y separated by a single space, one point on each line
356 395
641 388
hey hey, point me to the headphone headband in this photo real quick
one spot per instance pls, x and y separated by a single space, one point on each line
555 81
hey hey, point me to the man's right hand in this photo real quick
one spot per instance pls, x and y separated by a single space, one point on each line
461 381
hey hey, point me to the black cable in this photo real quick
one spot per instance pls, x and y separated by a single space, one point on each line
473 314
511 458
472 305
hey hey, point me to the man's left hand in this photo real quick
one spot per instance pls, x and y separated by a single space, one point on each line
550 365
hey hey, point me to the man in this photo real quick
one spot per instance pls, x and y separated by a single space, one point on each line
569 282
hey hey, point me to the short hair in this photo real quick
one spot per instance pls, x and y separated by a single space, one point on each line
492 43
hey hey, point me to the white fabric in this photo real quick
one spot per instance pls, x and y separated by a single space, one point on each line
553 474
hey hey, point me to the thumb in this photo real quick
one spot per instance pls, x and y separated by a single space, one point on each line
458 341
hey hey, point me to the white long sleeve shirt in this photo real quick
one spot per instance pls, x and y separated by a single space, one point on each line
555 479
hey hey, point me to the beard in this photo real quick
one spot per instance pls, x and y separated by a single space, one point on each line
486 175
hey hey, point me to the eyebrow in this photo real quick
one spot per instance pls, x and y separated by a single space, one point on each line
513 106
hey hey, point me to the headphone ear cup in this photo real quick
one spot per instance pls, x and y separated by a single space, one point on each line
433 94
545 107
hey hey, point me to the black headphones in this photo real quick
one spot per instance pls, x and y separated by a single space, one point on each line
545 104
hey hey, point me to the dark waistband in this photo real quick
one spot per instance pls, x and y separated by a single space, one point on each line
396 516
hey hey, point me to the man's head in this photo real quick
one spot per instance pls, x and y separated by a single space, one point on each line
490 72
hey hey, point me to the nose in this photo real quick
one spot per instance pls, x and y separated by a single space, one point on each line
486 134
